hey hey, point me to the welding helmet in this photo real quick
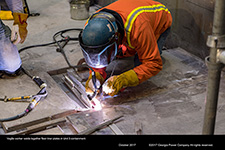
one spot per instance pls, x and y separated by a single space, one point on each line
98 40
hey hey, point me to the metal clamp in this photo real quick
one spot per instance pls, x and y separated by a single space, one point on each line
214 41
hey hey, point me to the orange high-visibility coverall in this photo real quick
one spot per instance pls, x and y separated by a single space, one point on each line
144 22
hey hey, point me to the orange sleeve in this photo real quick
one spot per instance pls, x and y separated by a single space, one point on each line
148 52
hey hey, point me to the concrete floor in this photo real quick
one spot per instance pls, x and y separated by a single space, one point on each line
170 103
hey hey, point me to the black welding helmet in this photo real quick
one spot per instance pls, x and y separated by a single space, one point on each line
98 40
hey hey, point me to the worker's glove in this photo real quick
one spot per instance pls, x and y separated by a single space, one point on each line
6 15
115 83
89 84
15 36
19 30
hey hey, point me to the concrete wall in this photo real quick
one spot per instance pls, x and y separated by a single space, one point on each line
105 2
192 23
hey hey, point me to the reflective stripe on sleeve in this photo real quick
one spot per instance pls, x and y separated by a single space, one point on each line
136 12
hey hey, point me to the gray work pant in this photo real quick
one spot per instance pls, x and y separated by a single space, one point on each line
10 60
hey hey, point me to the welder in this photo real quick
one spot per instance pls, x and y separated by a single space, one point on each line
125 28
10 61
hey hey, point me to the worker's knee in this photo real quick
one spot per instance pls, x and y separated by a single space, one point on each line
10 60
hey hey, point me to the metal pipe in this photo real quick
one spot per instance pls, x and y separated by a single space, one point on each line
214 71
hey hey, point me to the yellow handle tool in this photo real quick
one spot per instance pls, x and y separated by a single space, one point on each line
15 98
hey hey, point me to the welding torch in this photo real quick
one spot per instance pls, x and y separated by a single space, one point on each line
94 80
97 88
94 99
93 96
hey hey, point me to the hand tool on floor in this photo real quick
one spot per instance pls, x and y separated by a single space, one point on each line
16 99
93 129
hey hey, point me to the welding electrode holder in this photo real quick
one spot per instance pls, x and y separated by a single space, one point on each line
90 97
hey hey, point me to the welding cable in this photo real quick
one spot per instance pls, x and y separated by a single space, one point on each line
64 42
60 49
39 45
35 98
61 44
14 117
43 93
61 33
66 39
16 99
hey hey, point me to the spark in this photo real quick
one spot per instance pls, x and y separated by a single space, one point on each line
96 104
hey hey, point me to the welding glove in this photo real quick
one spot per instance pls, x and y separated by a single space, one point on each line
115 83
89 84
6 15
19 30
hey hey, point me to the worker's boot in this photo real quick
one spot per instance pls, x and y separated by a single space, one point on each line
7 75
